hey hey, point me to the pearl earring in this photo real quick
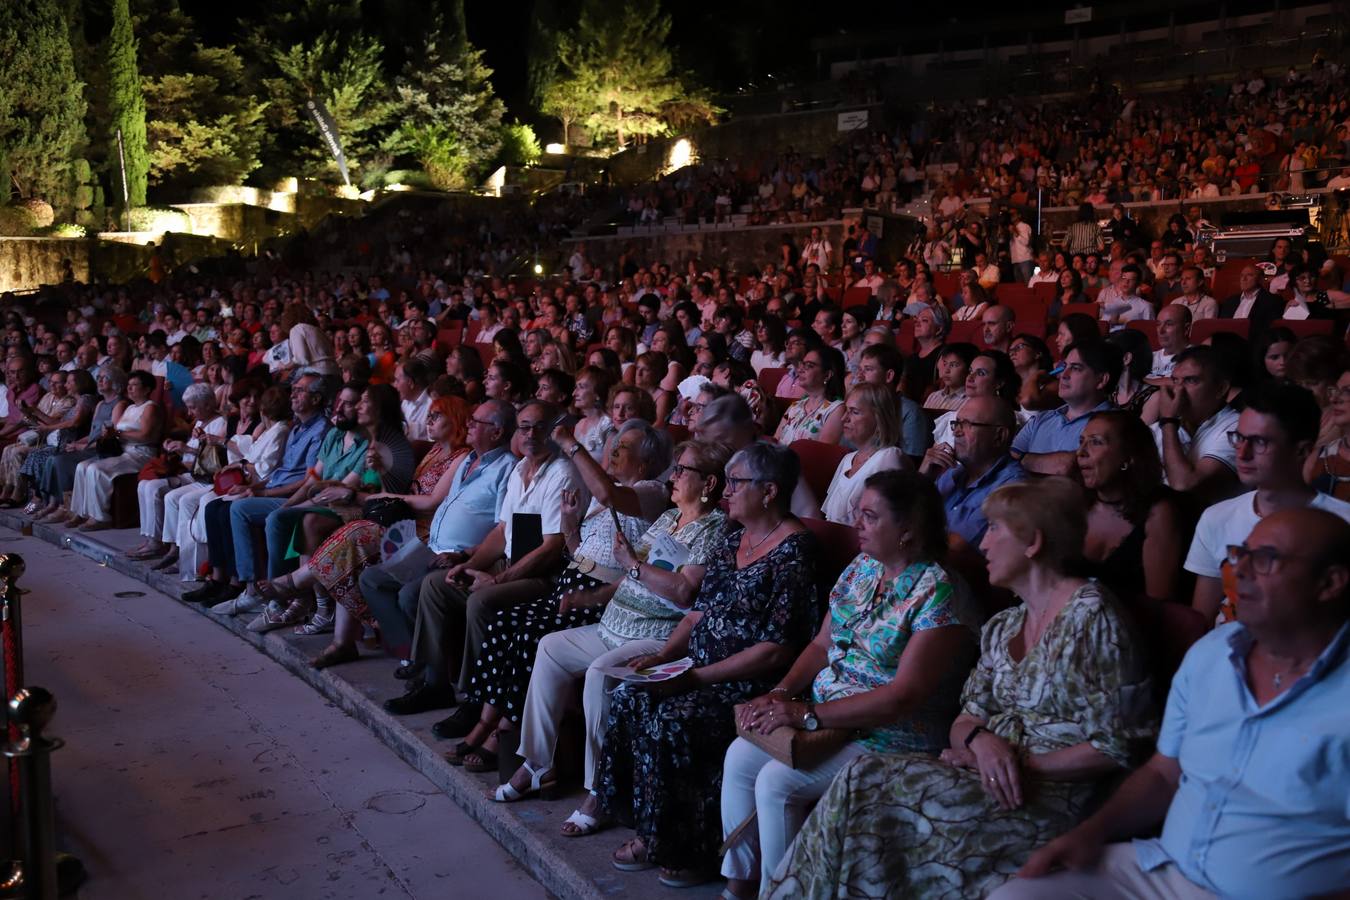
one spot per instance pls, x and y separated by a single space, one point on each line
702 498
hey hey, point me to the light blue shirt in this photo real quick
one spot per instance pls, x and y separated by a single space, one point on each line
963 499
470 509
300 452
1263 807
1053 432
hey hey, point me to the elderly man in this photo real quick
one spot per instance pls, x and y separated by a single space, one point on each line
1174 338
1252 301
1248 781
974 465
516 562
21 387
1194 419
464 518
411 380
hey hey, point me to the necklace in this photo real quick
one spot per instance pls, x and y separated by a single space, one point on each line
751 552
1278 678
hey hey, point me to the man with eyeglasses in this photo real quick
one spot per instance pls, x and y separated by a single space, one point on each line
974 465
453 615
20 387
1271 440
1194 419
1247 788
461 522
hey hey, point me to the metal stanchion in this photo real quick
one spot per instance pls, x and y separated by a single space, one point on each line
34 876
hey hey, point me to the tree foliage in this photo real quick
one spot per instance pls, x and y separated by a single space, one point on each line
450 118
126 106
42 103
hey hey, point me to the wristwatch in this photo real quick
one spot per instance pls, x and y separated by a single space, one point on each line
809 720
635 572
1169 420
974 733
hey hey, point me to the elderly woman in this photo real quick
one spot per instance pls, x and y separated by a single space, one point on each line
660 769
137 431
64 434
54 414
932 324
819 414
338 562
887 664
628 486
872 424
1058 702
54 474
200 401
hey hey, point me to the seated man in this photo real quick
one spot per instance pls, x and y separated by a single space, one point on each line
1248 781
1194 419
1252 301
996 327
1124 304
729 420
461 522
1174 337
454 611
1048 444
976 464
883 364
20 387
1272 440
1193 296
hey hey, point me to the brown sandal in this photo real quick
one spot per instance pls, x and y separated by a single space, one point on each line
335 655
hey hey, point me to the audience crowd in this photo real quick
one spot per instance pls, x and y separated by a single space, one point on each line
943 575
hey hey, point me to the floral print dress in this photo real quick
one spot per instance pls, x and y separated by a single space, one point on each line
798 424
910 825
661 767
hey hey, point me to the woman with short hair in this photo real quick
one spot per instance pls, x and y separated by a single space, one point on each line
872 425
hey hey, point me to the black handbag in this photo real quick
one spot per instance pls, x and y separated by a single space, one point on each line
108 447
385 511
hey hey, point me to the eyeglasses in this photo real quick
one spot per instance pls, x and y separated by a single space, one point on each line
1258 443
1263 560
679 469
734 484
532 427
960 425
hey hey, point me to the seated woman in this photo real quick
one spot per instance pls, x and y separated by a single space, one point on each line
628 486
1031 358
1058 701
52 474
872 424
589 397
660 768
990 374
819 414
887 664
332 499
137 433
646 607
649 374
200 401
53 417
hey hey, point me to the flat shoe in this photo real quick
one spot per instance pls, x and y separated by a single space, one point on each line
458 724
421 699
335 656
585 825
634 862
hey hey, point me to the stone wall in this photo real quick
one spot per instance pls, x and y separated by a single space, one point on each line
28 263
736 249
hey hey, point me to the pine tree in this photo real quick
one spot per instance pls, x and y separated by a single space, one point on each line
41 101
126 106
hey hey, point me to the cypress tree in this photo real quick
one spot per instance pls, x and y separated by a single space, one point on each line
126 106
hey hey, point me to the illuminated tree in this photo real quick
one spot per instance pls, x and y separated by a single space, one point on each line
126 107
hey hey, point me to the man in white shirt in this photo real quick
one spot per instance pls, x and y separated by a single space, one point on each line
1274 436
986 273
1204 189
1174 337
1194 419
411 380
1252 302
1193 296
1045 271
1125 305
818 251
871 278
1019 247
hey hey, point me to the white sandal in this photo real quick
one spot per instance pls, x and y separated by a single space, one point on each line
507 793
585 825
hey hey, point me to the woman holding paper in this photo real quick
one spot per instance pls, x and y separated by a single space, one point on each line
886 668
627 497
338 562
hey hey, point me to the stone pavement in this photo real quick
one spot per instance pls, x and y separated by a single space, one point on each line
177 670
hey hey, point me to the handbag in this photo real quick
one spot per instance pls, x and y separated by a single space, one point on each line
166 465
108 447
796 748
385 511
211 458
227 479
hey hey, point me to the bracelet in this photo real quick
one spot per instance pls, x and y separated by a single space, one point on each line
778 690
974 732
576 448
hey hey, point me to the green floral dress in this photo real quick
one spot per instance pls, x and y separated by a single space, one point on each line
912 826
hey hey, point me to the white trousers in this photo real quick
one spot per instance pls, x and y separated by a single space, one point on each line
180 508
1116 877
92 497
753 781
150 499
562 658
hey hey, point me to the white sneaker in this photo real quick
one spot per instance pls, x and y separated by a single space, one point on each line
247 602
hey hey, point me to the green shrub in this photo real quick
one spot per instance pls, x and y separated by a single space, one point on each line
87 218
520 147
411 177
160 219
81 172
42 211
17 221
63 230
84 196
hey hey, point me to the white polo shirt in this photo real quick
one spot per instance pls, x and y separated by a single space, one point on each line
542 496
1210 440
1230 521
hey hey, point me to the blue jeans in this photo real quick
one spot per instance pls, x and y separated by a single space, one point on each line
1022 271
278 526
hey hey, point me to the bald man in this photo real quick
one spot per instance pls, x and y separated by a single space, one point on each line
1258 726
996 328
1252 301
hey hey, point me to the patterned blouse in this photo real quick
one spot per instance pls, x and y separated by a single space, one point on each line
1083 681
636 612
798 424
871 623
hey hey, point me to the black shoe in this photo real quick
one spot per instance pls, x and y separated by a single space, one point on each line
421 699
459 724
411 670
211 592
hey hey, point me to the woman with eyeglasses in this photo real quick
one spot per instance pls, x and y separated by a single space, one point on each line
624 492
1057 703
660 768
663 571
770 343
886 665
819 414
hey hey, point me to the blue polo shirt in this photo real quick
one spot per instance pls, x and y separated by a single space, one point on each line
302 448
1263 807
963 500
1053 431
